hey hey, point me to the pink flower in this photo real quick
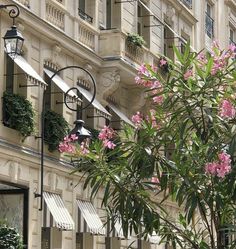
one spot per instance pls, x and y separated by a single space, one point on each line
155 180
143 70
137 119
66 147
67 139
221 168
210 168
232 47
158 99
224 157
188 74
73 137
163 62
84 149
227 110
106 133
108 144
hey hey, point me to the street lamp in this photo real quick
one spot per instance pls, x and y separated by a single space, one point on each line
82 133
13 39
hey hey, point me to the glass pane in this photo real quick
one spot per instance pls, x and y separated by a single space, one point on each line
12 208
19 46
10 45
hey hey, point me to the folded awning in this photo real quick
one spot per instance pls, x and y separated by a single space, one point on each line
61 215
27 68
96 104
91 217
119 230
121 115
60 83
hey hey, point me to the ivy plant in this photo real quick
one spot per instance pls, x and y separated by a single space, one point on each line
10 238
18 113
55 129
135 39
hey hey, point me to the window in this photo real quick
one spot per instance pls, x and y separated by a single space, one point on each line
209 22
231 36
108 14
14 208
168 43
187 3
143 24
86 10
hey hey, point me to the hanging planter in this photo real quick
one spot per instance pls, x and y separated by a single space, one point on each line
18 114
135 40
55 129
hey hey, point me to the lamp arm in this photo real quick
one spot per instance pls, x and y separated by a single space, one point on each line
75 88
13 13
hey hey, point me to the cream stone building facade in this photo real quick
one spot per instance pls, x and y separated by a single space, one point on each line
90 34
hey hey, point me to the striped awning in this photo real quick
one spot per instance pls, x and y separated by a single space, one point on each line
28 69
121 115
154 238
96 104
119 230
91 217
61 215
60 82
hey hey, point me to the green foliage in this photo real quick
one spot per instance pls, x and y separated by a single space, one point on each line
135 39
55 129
9 238
18 114
188 124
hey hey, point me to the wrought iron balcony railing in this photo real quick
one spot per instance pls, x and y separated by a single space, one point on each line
209 25
187 3
85 16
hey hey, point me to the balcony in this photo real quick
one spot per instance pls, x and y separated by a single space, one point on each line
87 35
85 16
55 15
187 3
114 44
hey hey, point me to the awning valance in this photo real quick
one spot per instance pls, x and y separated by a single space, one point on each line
121 115
60 83
27 68
61 215
97 105
91 217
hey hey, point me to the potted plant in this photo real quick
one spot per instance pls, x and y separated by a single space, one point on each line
135 39
18 114
56 128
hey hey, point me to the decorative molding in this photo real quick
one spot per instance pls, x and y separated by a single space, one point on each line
109 83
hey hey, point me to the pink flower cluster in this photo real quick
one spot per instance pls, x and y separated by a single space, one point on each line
188 74
66 145
137 119
220 168
105 135
220 58
157 88
227 110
